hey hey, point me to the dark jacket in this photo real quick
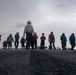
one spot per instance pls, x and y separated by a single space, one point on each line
63 38
17 36
72 38
23 40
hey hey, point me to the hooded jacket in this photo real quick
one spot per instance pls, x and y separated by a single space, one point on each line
28 28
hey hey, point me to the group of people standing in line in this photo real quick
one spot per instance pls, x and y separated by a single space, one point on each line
31 39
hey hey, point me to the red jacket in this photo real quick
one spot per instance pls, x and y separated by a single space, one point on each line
51 37
35 37
5 42
43 38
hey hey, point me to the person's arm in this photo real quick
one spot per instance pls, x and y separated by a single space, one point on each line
45 38
32 29
66 39
24 31
12 39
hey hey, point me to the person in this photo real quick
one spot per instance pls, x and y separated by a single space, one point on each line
72 41
51 40
22 41
43 38
16 40
5 43
29 34
35 37
63 40
10 40
0 37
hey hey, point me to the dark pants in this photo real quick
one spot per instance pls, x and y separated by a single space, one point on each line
72 45
52 44
63 45
22 44
35 43
4 46
16 43
9 44
42 44
29 39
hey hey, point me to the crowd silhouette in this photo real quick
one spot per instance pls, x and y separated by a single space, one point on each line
31 40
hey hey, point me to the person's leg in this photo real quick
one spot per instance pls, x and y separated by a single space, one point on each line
15 44
64 45
71 43
8 45
35 44
22 45
4 46
53 45
27 44
11 45
31 40
27 39
73 46
50 45
41 44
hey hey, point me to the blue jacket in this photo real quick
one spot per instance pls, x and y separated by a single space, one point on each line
23 40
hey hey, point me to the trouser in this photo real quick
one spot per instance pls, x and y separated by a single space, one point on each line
29 39
35 43
22 44
42 44
63 45
9 44
4 45
52 44
72 45
16 43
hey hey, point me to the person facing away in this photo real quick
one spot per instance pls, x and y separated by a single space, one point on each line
16 40
72 41
51 39
10 40
43 38
28 30
63 40
0 37
35 37
22 41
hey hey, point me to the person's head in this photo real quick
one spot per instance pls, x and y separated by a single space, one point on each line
42 34
34 33
63 33
10 35
52 32
72 34
17 32
28 22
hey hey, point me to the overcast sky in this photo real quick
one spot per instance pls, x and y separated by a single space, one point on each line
46 15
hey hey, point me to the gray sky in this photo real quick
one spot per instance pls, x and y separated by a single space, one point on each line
46 15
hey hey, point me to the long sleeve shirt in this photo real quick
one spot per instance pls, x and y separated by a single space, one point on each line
43 38
28 28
